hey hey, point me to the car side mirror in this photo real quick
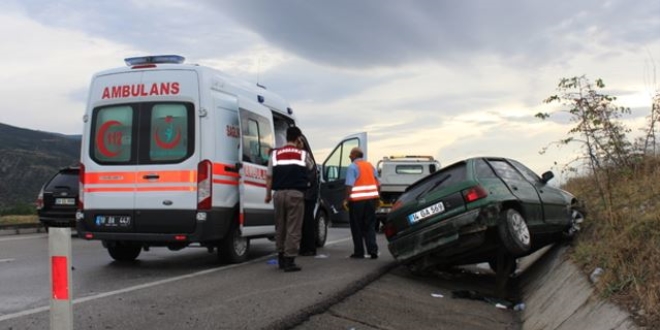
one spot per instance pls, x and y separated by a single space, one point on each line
547 176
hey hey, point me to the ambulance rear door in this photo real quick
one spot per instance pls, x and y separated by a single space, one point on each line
257 140
335 166
168 155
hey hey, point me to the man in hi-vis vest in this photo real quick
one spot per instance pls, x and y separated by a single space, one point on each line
362 195
288 169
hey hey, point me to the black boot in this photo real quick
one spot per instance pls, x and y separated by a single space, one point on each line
290 265
280 260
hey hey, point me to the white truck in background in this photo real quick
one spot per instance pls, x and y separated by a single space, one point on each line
396 173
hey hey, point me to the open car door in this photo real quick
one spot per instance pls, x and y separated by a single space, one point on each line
333 185
257 140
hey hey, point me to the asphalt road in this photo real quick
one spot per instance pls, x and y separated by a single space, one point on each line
188 289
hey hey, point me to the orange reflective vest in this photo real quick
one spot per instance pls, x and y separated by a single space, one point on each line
366 184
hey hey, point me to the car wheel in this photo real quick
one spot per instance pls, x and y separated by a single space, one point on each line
234 248
124 251
321 229
514 233
577 217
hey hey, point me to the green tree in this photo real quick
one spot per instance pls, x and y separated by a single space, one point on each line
596 127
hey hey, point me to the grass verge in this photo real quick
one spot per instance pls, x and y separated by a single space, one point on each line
18 219
621 235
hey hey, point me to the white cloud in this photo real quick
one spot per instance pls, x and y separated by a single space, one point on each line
46 71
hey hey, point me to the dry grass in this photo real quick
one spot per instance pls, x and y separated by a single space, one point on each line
18 219
622 235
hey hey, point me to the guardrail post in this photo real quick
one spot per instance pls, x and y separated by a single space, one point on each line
59 246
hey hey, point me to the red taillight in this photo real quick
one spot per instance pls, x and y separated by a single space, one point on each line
396 205
40 200
180 237
474 193
389 230
81 187
204 184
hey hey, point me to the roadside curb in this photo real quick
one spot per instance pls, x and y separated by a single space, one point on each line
305 314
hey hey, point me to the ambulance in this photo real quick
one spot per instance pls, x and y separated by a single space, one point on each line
175 155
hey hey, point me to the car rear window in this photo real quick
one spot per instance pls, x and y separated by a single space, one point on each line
67 179
439 180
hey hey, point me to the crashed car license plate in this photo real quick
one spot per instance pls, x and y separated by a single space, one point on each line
65 201
116 221
427 212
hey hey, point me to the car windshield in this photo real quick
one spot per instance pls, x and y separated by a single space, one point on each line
439 180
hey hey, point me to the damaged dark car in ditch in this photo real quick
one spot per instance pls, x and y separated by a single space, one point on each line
476 209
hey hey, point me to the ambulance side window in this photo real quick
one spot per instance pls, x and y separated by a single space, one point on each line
257 139
112 134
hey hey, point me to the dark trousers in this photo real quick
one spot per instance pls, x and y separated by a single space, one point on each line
309 228
363 228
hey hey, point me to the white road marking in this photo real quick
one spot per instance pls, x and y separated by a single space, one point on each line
145 285
7 260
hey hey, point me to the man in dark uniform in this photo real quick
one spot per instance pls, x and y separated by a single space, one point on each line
288 177
310 225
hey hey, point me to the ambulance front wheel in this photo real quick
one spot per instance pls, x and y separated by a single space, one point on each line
233 248
123 251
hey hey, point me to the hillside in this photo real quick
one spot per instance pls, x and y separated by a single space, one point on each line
28 158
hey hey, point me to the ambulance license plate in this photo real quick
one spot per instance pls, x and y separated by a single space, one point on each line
65 201
113 221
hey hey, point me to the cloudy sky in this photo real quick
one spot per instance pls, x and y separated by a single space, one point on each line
451 79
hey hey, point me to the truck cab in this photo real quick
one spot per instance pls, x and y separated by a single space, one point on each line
396 173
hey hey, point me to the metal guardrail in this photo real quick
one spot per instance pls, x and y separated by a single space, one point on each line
18 227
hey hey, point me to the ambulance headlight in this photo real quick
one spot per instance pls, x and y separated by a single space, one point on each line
201 216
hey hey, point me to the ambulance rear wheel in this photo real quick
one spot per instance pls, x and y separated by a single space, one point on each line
123 251
234 248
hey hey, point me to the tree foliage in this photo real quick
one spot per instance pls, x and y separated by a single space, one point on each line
597 129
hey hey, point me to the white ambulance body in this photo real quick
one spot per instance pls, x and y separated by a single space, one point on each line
160 159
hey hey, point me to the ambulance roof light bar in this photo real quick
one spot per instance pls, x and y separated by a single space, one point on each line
156 59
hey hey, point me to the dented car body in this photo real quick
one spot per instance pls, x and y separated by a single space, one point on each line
468 211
